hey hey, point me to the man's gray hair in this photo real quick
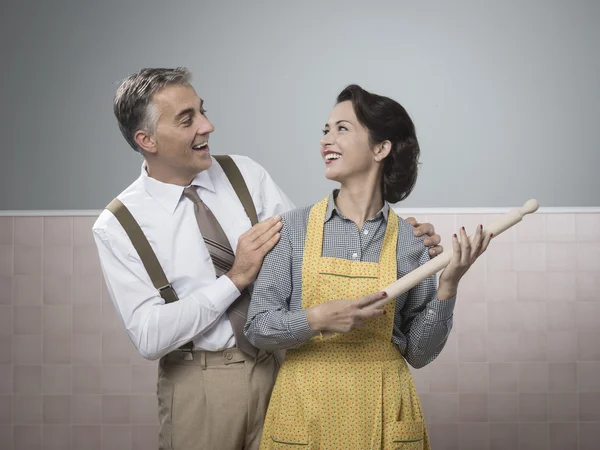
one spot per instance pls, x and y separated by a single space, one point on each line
133 107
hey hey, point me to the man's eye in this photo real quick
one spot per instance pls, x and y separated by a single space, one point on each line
203 111
187 121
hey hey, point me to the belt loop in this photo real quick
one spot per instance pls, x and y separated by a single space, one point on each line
188 354
202 359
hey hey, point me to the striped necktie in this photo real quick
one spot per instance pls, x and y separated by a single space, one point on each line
223 257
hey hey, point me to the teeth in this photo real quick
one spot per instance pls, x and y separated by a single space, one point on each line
331 156
199 146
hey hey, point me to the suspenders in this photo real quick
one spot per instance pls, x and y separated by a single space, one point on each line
142 246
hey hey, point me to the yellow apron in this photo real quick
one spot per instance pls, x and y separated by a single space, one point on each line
349 391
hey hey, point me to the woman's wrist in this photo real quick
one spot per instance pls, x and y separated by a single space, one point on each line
447 290
313 318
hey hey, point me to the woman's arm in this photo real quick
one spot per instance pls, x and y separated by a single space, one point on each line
424 323
426 319
271 324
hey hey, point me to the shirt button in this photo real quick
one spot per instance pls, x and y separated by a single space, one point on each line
366 232
229 356
355 255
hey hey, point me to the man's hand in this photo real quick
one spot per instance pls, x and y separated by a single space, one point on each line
343 316
432 239
252 247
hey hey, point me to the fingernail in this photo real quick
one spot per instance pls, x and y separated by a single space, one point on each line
463 228
384 293
433 252
455 235
384 312
491 234
481 227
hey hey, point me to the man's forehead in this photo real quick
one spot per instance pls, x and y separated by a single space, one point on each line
177 98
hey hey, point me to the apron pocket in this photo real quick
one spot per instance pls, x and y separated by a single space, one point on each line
287 438
405 435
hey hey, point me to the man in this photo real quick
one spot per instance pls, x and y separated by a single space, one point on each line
213 386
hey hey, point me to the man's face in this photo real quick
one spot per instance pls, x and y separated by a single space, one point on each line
181 134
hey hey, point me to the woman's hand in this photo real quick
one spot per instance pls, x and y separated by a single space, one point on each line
343 316
466 252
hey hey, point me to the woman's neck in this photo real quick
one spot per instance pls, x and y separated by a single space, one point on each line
360 202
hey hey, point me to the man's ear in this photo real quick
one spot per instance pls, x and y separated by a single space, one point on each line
145 141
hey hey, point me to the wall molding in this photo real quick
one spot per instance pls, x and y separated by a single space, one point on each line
498 210
404 212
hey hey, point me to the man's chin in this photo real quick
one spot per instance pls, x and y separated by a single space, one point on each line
203 163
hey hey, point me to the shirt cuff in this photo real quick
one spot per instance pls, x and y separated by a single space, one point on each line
298 326
221 294
440 310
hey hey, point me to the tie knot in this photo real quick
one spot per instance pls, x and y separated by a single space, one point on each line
191 193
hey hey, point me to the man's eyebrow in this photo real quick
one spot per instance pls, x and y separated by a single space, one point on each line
184 112
188 110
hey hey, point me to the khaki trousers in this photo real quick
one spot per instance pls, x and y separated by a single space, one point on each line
214 400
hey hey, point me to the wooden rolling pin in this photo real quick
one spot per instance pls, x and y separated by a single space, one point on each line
433 266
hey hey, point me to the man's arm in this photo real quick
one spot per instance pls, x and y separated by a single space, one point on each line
156 328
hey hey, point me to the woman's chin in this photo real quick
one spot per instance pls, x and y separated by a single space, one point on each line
332 175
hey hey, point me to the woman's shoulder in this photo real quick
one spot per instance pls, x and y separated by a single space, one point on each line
296 219
408 243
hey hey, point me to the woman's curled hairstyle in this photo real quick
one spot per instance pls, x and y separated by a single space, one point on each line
386 119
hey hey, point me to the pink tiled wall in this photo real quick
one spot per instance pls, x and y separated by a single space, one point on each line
521 368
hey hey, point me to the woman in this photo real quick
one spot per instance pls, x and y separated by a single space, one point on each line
354 390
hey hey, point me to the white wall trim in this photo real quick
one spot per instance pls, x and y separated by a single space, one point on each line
51 213
404 212
499 210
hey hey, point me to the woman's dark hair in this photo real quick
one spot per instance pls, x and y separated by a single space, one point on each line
387 120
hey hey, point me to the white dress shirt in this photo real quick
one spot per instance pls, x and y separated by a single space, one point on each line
168 221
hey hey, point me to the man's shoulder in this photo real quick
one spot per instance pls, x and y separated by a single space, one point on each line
252 172
244 163
129 197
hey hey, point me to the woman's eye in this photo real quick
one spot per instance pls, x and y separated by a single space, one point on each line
325 132
343 128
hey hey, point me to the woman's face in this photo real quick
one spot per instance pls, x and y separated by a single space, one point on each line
345 146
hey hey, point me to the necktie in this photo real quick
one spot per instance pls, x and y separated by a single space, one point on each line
223 258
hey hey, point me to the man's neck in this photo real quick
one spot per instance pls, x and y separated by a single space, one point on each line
167 177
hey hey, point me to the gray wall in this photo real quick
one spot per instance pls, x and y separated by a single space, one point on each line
505 95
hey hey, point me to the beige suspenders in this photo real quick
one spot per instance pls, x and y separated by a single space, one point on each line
142 246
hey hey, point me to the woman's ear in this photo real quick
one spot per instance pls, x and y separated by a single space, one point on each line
382 150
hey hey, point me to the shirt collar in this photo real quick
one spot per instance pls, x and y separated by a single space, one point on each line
331 208
168 195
